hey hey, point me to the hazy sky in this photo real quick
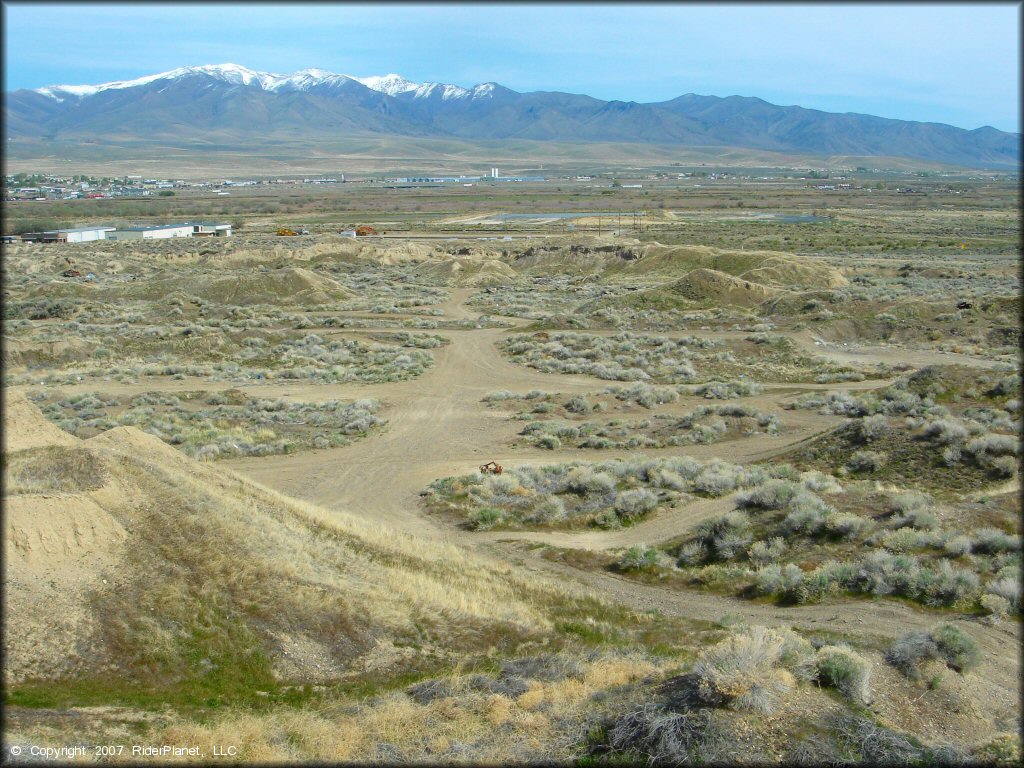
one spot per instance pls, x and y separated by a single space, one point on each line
957 64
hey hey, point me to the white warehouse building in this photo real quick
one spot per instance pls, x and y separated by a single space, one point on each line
211 230
78 235
152 233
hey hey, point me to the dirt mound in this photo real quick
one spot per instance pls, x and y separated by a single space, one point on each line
25 426
19 352
140 559
618 259
798 271
401 253
765 267
709 286
57 549
796 303
468 272
292 285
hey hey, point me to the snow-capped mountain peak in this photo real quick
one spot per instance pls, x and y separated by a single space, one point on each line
392 84
303 80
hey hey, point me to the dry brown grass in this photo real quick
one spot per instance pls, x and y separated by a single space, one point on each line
549 721
216 569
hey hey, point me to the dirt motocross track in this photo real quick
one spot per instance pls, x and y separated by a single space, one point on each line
439 427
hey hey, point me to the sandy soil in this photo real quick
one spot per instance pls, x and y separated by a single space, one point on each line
439 427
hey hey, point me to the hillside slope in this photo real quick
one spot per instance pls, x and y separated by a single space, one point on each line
125 556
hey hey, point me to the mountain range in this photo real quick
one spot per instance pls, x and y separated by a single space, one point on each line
231 102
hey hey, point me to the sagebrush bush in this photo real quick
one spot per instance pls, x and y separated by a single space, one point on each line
908 652
766 552
634 503
745 670
639 558
819 482
998 607
948 642
992 444
866 461
957 647
946 431
774 494
1004 466
992 541
1008 588
846 671
661 737
873 428
484 518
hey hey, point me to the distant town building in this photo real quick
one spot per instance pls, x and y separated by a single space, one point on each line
211 230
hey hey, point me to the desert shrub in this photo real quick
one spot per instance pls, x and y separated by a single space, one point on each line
819 482
784 581
745 670
1003 466
499 396
856 739
728 390
992 541
951 455
550 667
768 580
550 442
997 606
579 404
807 514
908 501
634 503
584 481
638 558
866 461
908 652
661 737
1004 749
873 428
692 553
485 517
945 585
950 643
551 509
992 444
958 546
848 526
774 494
726 535
766 552
716 479
846 671
946 431
644 394
957 647
1008 588
428 690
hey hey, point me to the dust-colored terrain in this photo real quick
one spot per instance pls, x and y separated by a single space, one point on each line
363 589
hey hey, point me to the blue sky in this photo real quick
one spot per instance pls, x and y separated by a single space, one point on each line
950 63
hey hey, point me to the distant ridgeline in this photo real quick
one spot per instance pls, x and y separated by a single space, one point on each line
235 103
